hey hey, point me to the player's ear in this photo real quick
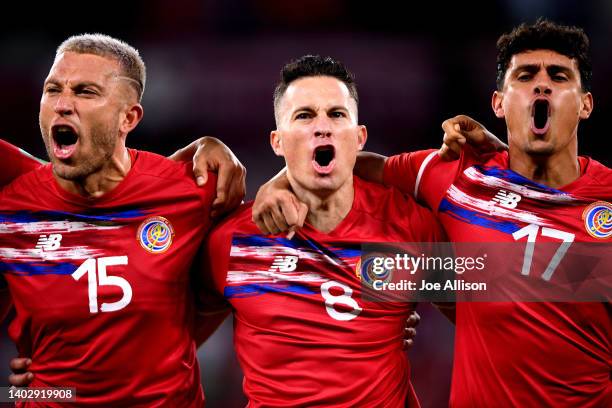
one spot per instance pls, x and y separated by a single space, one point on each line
133 116
496 104
587 106
362 136
276 142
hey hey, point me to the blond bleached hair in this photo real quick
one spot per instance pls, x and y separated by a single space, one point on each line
130 61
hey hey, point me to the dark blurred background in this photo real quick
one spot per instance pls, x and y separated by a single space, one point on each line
212 66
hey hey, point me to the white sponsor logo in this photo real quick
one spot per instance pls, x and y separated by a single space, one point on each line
284 263
49 243
507 199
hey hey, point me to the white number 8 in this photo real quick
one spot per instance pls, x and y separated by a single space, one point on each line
344 299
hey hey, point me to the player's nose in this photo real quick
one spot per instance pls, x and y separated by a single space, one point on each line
322 127
542 85
64 105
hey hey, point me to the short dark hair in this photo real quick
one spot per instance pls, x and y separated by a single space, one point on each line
545 35
312 66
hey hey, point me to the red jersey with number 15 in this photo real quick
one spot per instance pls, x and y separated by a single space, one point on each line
511 354
303 333
101 286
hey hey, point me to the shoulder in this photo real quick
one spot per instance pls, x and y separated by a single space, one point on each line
31 182
599 172
385 203
156 171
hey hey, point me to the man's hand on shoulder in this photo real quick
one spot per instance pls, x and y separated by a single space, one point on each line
210 154
277 209
463 129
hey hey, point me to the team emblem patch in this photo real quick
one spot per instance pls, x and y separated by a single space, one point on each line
367 273
155 234
598 219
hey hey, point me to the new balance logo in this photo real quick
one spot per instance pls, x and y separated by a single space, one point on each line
284 263
49 243
507 199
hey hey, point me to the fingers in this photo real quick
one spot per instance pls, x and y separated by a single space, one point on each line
231 188
224 181
20 377
268 221
19 364
413 320
410 330
201 166
21 380
289 212
408 344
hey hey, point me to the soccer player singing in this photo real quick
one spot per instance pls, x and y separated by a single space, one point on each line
304 334
96 246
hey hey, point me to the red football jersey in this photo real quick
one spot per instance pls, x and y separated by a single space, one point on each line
16 162
303 332
511 353
101 286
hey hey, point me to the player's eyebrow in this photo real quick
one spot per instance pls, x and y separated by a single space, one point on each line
531 68
305 108
555 69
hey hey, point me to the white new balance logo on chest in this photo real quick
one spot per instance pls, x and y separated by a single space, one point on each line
284 263
49 243
507 199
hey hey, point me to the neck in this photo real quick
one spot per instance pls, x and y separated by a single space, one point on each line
555 170
104 180
326 209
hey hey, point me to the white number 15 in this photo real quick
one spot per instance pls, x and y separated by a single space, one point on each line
102 279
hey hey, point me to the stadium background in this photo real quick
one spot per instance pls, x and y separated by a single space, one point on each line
212 66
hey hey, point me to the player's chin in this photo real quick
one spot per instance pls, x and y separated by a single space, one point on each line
540 148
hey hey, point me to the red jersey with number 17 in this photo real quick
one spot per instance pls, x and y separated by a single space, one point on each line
511 354
101 286
303 332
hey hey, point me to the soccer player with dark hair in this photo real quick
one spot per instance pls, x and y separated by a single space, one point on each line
304 334
511 353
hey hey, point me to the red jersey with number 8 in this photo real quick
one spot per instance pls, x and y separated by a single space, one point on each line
303 333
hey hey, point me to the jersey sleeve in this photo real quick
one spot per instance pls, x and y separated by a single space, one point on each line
402 171
424 175
16 162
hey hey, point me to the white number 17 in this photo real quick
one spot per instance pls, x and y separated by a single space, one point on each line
531 232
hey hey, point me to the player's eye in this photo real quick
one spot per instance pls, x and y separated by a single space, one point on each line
559 77
524 76
52 89
302 115
86 91
337 114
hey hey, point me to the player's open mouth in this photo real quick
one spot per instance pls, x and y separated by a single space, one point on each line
323 159
65 139
540 115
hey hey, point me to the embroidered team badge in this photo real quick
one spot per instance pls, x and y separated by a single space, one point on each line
368 273
155 234
598 219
